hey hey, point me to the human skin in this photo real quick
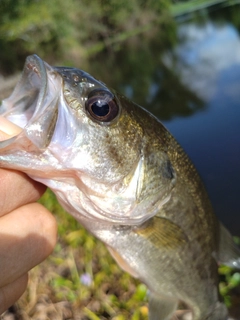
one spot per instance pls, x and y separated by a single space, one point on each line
28 231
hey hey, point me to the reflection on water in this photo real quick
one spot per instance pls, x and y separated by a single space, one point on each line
208 62
192 83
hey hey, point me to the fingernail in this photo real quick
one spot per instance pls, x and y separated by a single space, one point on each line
8 128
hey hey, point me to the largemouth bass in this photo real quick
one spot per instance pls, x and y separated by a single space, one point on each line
122 175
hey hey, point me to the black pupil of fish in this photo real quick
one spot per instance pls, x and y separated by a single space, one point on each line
100 108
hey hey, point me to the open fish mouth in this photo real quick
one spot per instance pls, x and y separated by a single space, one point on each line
33 105
64 145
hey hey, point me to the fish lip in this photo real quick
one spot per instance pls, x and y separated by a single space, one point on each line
38 66
33 65
30 99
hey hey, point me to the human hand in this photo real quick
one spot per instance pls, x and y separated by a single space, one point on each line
28 231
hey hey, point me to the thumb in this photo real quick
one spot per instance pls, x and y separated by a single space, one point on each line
8 129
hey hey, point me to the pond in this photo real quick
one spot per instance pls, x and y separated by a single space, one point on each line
192 83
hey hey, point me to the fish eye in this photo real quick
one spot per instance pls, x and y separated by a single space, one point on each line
101 105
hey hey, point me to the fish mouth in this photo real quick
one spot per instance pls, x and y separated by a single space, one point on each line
33 104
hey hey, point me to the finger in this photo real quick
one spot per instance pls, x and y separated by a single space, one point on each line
27 237
12 292
3 135
8 127
24 190
17 189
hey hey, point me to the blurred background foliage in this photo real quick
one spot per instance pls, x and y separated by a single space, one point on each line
69 31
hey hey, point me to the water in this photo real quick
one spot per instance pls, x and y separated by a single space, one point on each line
192 83
208 62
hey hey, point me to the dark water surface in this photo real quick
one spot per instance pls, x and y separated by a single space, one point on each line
211 136
193 86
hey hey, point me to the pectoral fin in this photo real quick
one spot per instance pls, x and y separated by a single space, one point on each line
228 252
161 308
163 233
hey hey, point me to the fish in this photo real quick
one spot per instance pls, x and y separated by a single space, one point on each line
117 170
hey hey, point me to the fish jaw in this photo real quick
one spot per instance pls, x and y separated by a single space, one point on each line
34 97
